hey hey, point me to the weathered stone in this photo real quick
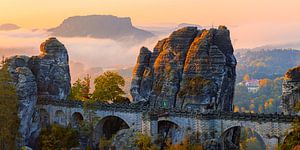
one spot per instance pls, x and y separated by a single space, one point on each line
141 74
51 69
45 76
191 68
231 139
291 90
125 140
26 88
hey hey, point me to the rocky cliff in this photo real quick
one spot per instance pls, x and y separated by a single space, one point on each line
39 77
189 69
51 69
26 87
291 90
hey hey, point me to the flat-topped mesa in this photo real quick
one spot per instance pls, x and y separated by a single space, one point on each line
189 69
291 91
51 69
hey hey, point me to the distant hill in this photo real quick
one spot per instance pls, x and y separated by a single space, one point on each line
8 27
189 25
266 63
100 26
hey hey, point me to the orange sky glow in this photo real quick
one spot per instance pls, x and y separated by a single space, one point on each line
252 22
49 13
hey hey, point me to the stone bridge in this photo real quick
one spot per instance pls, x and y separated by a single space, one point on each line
271 128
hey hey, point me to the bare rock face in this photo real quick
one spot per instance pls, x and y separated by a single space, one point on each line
291 90
231 139
45 76
189 69
51 69
26 88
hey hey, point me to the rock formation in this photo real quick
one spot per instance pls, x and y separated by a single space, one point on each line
189 69
26 87
291 90
125 139
51 69
39 77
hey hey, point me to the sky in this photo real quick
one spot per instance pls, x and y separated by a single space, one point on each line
252 23
49 13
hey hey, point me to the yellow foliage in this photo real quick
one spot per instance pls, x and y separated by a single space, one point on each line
236 109
144 142
186 145
246 77
260 109
252 106
243 109
264 82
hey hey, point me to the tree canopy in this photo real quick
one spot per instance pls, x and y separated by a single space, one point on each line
81 89
108 87
9 121
58 137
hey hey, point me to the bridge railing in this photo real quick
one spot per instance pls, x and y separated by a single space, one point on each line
175 112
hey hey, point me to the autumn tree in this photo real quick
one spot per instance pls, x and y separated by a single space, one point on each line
144 142
292 140
246 77
80 90
108 87
186 145
9 121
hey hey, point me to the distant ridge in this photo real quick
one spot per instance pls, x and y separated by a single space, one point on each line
100 26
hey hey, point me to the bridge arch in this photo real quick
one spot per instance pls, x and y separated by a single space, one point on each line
44 117
170 130
107 127
235 136
60 118
76 119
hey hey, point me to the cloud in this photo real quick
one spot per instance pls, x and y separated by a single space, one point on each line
87 55
89 51
257 34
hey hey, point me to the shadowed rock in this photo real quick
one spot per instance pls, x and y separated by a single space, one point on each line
26 88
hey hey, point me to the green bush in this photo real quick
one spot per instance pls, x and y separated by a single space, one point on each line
58 137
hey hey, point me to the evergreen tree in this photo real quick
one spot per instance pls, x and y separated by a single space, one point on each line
80 90
9 121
